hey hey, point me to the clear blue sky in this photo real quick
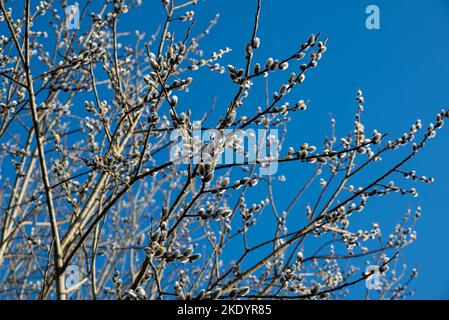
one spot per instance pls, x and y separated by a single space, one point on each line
402 68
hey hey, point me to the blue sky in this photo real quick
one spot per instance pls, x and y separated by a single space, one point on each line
402 68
